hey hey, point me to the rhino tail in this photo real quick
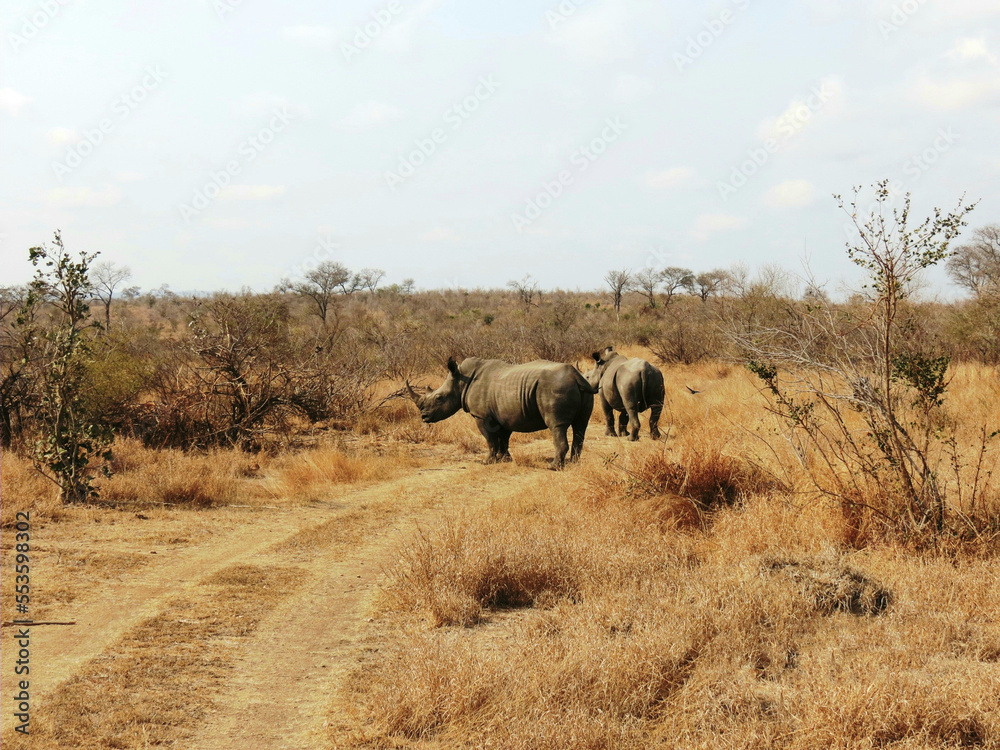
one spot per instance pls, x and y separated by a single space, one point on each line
643 395
652 386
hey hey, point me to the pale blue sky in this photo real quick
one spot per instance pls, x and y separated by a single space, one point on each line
675 97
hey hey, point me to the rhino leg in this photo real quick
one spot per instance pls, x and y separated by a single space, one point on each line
633 424
497 439
654 420
623 423
579 433
609 417
561 445
504 438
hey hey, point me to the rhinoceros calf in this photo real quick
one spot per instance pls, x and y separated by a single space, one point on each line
505 398
629 386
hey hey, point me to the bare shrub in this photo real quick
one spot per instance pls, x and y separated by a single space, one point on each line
841 372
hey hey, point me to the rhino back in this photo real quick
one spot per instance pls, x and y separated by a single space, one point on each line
526 397
634 383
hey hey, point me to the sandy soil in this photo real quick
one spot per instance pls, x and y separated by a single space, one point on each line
287 670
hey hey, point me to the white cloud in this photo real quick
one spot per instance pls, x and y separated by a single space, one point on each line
12 102
598 33
369 114
708 224
972 49
312 36
954 93
250 192
129 177
825 97
790 194
86 196
61 136
670 178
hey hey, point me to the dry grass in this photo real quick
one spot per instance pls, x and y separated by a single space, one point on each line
698 469
628 635
173 477
310 475
386 418
142 476
605 612
25 489
153 686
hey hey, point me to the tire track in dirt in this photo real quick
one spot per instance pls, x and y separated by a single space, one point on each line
290 669
58 652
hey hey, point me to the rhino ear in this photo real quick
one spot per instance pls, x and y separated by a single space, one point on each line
453 366
596 356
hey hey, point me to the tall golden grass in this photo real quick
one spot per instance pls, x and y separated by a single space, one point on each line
693 593
143 476
589 625
23 488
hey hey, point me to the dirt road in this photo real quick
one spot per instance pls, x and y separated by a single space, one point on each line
280 676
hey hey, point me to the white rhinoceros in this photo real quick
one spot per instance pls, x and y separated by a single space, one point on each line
629 386
505 398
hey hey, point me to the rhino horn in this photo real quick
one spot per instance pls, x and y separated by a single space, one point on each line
413 394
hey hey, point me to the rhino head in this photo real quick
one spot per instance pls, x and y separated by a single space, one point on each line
445 401
601 358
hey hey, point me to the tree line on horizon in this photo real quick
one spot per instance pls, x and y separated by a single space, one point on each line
80 346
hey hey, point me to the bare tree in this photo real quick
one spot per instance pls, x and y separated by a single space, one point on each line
322 284
673 279
646 281
619 282
527 290
369 278
976 265
353 283
708 283
107 276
